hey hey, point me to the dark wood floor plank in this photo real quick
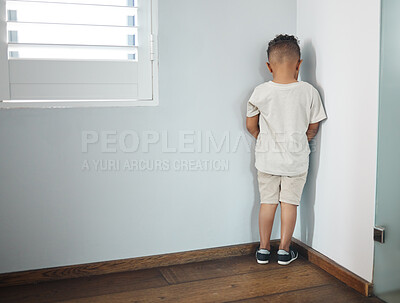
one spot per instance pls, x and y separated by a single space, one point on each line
254 284
220 268
124 265
232 279
72 289
333 293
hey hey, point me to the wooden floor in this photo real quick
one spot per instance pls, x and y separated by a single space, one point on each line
233 279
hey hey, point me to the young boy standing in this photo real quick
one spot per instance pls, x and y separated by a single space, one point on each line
283 115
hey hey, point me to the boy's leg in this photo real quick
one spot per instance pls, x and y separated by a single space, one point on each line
265 221
290 195
288 223
269 197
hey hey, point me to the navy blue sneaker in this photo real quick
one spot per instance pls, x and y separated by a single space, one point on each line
286 257
262 255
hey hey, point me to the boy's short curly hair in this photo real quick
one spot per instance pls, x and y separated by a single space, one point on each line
282 46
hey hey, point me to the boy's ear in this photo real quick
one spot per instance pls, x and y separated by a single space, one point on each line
298 64
269 67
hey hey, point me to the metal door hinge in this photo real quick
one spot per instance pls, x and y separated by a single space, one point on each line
152 50
379 234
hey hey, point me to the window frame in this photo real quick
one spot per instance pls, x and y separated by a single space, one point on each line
77 103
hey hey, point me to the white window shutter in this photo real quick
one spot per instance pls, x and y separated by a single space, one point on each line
4 80
145 72
83 79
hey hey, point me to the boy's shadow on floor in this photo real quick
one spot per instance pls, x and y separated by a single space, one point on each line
307 204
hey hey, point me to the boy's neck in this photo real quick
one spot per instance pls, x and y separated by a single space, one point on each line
283 80
285 73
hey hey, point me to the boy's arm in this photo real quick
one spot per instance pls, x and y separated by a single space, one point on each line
252 125
312 130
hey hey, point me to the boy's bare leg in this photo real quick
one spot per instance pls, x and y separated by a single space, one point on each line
288 222
265 222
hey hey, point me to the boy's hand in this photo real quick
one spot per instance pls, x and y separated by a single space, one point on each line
252 125
312 130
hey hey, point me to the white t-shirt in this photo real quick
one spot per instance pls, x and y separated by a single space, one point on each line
285 111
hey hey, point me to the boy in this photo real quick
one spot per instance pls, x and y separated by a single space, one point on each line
283 115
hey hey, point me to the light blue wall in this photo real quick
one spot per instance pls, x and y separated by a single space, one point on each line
387 256
52 213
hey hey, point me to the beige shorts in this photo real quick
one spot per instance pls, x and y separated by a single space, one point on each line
275 188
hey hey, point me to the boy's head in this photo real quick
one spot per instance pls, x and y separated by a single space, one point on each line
284 57
283 48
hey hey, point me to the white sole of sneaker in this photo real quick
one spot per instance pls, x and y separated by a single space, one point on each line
287 262
262 262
